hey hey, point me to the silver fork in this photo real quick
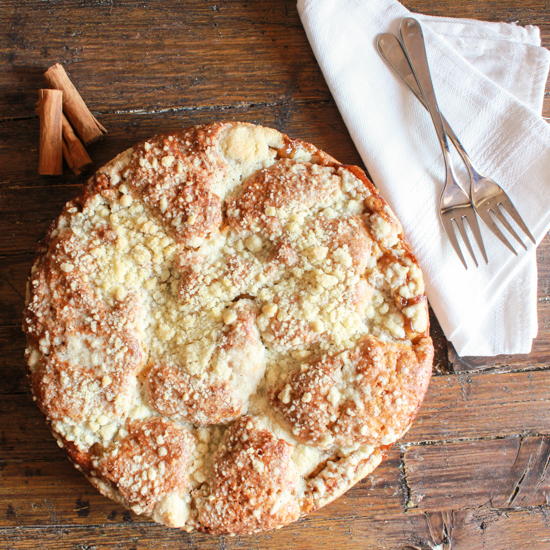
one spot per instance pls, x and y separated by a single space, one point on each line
455 206
487 196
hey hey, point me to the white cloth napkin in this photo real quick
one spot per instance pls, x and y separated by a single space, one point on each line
489 79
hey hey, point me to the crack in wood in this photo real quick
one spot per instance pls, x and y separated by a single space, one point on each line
542 476
465 381
506 472
193 108
538 459
505 369
60 186
434 442
446 520
515 491
406 490
517 485
18 118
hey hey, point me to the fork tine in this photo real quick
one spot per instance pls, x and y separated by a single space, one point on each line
506 223
512 211
486 217
459 221
474 226
448 226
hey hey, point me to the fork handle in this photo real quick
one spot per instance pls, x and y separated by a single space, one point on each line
391 50
415 49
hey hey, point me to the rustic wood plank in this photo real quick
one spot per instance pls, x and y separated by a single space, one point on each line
487 529
134 55
483 405
24 435
501 530
479 529
156 56
523 12
502 472
488 405
27 214
14 271
53 492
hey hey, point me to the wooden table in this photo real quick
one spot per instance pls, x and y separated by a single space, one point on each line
473 471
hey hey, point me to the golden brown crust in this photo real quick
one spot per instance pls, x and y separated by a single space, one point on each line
148 463
178 201
242 297
286 186
367 395
252 485
335 476
65 317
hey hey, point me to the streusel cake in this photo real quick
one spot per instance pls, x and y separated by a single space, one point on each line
226 329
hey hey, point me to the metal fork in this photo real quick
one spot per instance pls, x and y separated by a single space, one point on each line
455 205
487 196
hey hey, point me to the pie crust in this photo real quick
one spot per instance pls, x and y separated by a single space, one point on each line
227 329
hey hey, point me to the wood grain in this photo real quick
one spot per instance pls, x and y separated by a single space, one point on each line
471 474
12 372
500 472
158 55
479 529
483 405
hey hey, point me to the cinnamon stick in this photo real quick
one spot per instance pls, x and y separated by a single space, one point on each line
50 162
82 120
74 153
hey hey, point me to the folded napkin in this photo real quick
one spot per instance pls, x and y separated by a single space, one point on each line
489 79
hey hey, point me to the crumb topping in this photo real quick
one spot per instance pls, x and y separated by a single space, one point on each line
150 462
225 327
252 484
